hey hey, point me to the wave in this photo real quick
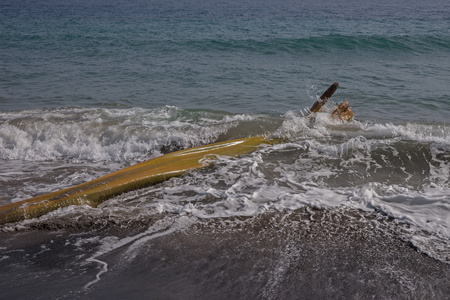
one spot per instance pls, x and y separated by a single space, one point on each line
398 170
268 45
329 43
119 135
101 134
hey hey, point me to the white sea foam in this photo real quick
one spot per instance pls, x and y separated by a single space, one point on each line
160 228
400 170
82 135
428 210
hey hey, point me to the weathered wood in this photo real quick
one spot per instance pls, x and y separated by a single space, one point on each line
342 112
317 107
146 173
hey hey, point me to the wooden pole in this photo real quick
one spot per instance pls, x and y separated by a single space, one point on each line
324 98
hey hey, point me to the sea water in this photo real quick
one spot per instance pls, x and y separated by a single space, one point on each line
89 87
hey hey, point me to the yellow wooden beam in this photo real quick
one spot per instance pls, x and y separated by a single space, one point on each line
143 174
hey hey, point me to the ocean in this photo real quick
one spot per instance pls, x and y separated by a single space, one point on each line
354 210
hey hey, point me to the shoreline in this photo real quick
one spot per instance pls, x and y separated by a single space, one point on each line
308 253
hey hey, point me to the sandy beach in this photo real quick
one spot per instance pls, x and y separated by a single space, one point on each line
305 254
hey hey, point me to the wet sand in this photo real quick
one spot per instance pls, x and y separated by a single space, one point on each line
306 254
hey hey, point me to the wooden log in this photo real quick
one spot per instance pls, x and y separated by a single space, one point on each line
146 173
317 107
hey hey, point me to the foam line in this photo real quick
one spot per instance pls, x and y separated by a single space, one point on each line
160 228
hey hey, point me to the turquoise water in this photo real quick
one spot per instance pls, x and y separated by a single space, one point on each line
89 87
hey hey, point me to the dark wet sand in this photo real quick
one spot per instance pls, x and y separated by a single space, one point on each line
306 254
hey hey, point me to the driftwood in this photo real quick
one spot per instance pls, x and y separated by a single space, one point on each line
317 107
342 111
144 174
150 172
